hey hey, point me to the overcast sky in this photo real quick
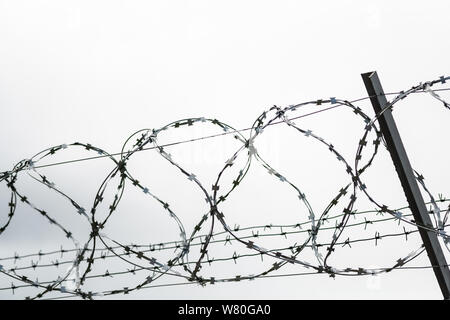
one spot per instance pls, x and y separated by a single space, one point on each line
97 71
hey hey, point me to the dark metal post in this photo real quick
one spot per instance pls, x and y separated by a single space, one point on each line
408 181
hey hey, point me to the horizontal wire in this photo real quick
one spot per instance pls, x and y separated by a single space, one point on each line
220 134
262 277
164 245
200 138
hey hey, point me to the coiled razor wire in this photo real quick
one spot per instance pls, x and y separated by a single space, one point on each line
100 246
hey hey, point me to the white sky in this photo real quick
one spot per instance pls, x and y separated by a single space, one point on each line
97 71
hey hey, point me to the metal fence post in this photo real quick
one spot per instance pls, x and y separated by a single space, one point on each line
408 181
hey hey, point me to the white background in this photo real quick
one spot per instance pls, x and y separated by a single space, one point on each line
96 71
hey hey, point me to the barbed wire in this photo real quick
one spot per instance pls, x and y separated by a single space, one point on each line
255 233
100 246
